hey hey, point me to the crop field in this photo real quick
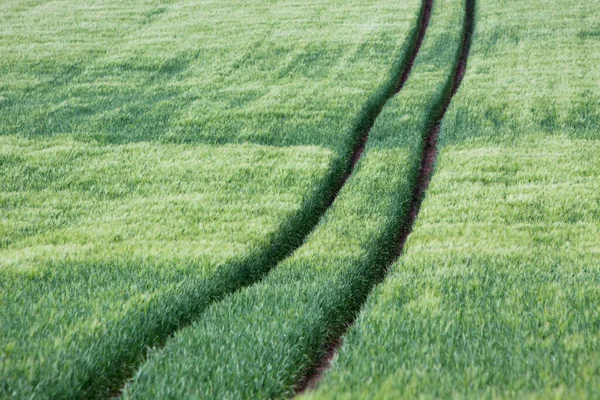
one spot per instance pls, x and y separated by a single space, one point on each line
324 199
498 292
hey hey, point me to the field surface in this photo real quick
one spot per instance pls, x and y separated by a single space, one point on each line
158 155
262 342
497 294
326 199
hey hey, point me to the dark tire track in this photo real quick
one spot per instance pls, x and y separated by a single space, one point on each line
429 154
423 178
394 88
242 273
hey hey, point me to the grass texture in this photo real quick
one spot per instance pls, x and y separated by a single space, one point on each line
267 72
105 249
497 295
157 155
262 341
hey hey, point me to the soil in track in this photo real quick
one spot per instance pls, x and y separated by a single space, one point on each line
429 154
361 132
427 163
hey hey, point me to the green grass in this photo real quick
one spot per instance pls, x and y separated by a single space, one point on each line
267 72
261 341
158 155
89 202
105 249
497 294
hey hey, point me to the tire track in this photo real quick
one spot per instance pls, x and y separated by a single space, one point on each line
243 273
429 154
394 88
423 178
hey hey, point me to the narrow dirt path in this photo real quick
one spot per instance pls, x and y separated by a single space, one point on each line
429 154
427 163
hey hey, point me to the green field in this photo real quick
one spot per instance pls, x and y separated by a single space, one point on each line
156 161
170 223
498 292
287 319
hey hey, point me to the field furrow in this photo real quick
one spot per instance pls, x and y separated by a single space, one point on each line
263 341
497 292
151 169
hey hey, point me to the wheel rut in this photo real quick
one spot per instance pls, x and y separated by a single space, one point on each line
243 273
395 88
424 174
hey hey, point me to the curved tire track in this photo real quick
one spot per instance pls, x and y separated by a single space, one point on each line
243 273
424 174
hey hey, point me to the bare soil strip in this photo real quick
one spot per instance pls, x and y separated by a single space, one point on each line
427 163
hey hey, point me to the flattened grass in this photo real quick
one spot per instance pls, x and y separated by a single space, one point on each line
497 294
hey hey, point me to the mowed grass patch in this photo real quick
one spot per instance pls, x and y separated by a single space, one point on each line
105 249
261 342
497 293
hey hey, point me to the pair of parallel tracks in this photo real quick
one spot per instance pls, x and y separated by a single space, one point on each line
283 247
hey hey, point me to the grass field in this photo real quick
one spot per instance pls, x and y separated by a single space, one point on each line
497 294
261 342
169 225
154 160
